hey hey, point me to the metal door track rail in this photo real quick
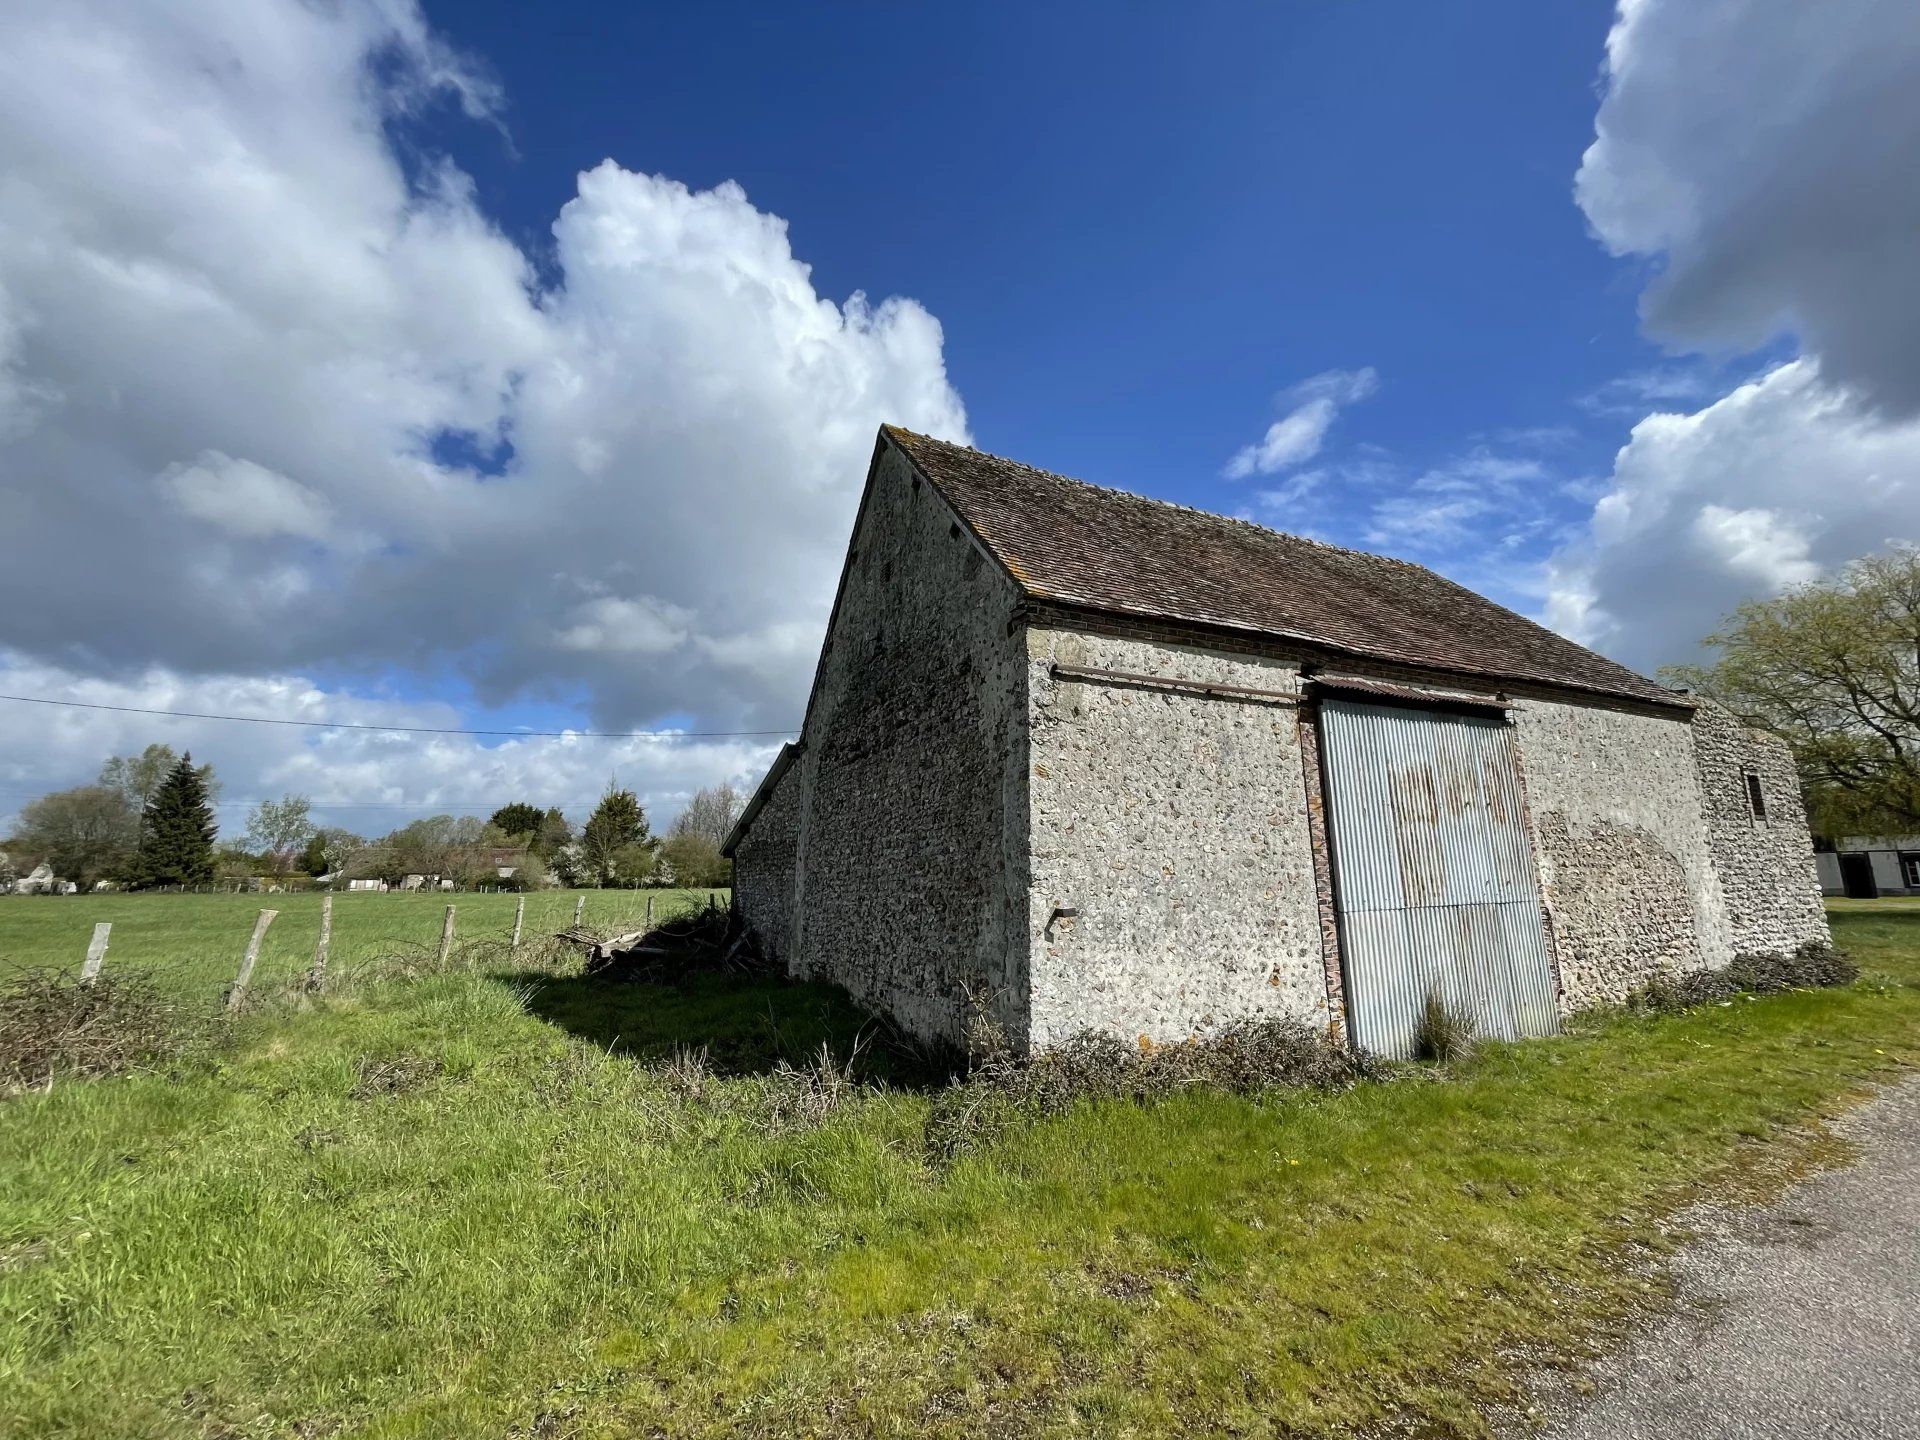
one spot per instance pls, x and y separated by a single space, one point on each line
1175 682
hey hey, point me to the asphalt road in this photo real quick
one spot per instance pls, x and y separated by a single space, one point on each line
1798 1320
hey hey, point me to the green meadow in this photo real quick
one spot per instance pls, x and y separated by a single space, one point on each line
506 1201
195 942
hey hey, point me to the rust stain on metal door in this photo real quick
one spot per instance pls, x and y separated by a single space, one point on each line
1434 874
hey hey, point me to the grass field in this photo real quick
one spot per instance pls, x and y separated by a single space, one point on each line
543 1228
194 942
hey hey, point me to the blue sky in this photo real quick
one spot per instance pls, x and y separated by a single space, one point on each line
419 364
1137 232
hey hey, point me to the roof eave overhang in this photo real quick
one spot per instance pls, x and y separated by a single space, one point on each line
761 795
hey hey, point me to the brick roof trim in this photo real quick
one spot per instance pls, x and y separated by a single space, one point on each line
1235 574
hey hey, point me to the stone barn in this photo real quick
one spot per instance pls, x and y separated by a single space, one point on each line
1074 759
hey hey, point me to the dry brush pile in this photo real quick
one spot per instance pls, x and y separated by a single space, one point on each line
55 1026
1814 966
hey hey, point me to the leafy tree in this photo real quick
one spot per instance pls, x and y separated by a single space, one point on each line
331 847
518 819
528 874
630 867
279 829
236 862
86 833
313 856
177 830
138 776
617 823
554 833
711 814
569 866
437 845
1834 667
689 858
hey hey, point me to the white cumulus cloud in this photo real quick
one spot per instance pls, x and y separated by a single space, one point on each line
302 407
244 499
1782 479
1311 408
1761 156
1764 154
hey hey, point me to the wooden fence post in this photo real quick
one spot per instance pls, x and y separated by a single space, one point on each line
649 912
317 976
579 904
245 977
519 916
96 953
446 937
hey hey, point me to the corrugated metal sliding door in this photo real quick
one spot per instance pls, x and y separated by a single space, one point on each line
1433 874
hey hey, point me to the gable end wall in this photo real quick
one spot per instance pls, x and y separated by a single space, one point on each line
904 808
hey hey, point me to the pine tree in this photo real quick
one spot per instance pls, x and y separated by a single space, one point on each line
617 824
177 830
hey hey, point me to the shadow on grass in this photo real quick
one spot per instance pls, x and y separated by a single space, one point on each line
746 1025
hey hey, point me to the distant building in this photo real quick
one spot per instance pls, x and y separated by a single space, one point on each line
1867 866
42 881
1074 759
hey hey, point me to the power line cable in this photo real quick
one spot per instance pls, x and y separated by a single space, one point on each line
412 729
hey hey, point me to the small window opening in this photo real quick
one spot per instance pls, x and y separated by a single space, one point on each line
953 532
1756 800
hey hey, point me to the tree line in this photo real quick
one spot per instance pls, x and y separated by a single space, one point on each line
149 821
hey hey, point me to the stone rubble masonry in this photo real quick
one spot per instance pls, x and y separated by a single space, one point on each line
895 843
763 866
1626 865
1175 824
1768 878
974 827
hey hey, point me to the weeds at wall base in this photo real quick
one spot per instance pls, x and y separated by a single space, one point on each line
1812 967
1243 1059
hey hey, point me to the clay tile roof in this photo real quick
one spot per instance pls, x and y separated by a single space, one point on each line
1078 544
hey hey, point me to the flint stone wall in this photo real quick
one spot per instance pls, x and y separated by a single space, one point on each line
1620 836
907 847
1767 872
763 868
1175 825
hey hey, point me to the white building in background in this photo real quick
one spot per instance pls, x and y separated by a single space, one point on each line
42 881
1865 866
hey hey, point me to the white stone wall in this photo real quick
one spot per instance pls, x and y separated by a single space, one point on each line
1175 824
1621 838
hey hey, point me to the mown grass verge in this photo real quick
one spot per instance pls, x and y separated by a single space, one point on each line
458 1207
